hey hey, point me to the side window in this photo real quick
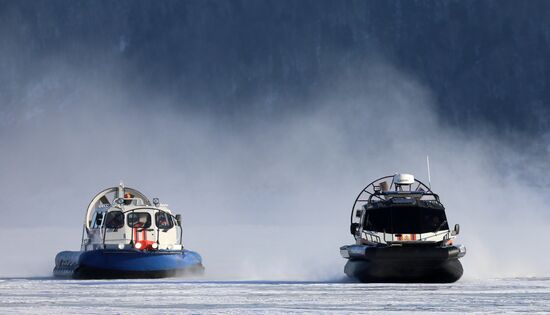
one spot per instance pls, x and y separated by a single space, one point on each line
433 220
163 220
139 220
98 221
114 220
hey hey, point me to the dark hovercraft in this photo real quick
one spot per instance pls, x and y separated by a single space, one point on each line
402 235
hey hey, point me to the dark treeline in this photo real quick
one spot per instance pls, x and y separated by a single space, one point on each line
485 61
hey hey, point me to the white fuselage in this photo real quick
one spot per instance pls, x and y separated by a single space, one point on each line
132 225
373 237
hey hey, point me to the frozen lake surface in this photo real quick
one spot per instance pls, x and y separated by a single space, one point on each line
167 296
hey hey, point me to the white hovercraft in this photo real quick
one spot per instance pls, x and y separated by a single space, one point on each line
127 236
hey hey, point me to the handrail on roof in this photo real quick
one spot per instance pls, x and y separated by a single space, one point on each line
419 191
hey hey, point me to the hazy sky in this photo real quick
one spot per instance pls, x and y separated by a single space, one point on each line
264 194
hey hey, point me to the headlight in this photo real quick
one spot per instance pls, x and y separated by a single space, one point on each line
138 245
155 245
120 246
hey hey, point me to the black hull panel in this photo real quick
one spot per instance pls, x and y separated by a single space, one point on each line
403 271
409 264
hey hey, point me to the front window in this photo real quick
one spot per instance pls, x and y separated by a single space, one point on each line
408 220
139 220
114 220
163 220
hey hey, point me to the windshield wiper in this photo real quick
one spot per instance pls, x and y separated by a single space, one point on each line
440 226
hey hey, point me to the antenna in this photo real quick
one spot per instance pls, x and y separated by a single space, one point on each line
429 177
120 192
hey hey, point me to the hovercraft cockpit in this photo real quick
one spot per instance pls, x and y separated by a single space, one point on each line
130 221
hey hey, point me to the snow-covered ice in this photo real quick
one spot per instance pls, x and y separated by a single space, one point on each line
169 296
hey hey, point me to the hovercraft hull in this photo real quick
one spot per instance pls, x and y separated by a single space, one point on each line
126 264
403 264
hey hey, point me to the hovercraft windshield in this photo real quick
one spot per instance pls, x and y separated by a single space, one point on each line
411 220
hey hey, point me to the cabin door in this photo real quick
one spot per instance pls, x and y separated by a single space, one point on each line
166 225
116 231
